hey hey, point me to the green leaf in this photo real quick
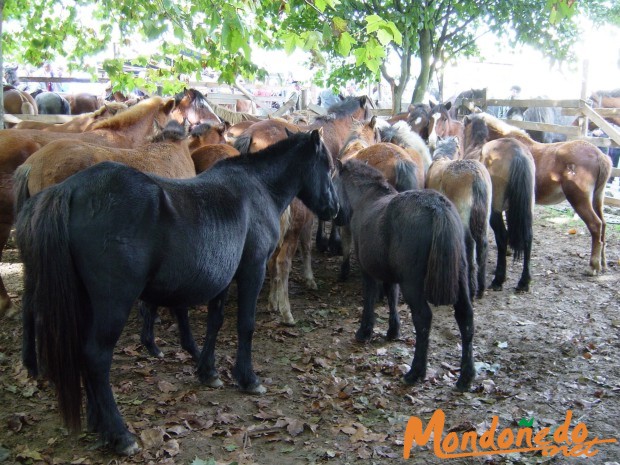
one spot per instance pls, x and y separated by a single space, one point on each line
340 24
320 4
344 43
384 36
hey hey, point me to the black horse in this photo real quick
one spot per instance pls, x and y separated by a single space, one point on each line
413 239
109 235
51 103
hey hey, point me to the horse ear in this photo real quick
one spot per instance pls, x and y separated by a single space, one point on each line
168 106
466 120
373 122
316 135
338 165
289 133
448 105
431 103
410 108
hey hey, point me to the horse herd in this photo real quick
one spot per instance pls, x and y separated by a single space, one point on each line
127 207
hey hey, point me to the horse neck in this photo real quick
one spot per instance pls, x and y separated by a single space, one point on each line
364 193
335 132
137 133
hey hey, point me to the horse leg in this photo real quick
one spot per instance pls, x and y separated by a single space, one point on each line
6 306
335 244
464 315
593 220
249 282
597 205
422 318
102 412
392 292
482 251
185 332
305 244
280 267
207 374
370 291
470 246
501 239
347 245
524 282
147 336
321 241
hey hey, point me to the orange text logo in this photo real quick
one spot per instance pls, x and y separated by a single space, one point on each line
569 442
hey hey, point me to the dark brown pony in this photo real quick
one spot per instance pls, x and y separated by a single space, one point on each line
17 102
128 129
468 185
396 166
442 125
191 106
419 119
512 171
410 240
206 134
80 123
575 170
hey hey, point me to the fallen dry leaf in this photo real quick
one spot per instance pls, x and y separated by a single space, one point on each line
152 438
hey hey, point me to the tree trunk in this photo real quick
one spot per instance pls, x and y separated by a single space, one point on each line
426 69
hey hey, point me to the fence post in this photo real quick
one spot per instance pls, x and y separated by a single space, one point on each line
584 121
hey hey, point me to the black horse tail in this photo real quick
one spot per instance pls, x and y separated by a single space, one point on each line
65 108
20 187
447 259
520 198
406 178
243 142
54 294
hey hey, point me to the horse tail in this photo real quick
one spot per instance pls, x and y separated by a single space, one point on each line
27 108
406 175
20 187
520 199
54 294
243 142
447 259
604 171
481 207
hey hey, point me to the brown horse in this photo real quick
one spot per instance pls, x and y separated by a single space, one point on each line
468 185
207 134
206 156
128 129
402 135
17 102
512 171
83 103
575 170
442 125
167 156
81 123
607 99
192 106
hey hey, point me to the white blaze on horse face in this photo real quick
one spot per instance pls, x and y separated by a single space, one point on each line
418 120
432 137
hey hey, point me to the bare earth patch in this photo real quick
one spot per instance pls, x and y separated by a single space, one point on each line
331 400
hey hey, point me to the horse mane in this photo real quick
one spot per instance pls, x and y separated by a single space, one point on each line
347 106
174 131
366 175
446 148
401 134
202 128
499 127
131 115
608 93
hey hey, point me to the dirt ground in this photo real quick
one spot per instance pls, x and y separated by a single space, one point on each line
331 400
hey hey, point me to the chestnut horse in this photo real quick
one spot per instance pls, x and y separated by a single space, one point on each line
167 155
80 123
83 103
607 99
17 102
128 129
207 133
467 184
442 125
192 106
575 171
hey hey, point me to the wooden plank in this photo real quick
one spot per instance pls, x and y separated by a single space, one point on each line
604 112
612 201
610 130
534 103
54 119
289 105
531 126
317 109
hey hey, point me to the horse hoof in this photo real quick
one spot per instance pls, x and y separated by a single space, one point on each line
256 388
363 336
392 335
522 288
129 450
463 385
412 378
311 284
213 382
288 321
591 271
496 287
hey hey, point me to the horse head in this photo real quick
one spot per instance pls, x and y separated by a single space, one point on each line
318 192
